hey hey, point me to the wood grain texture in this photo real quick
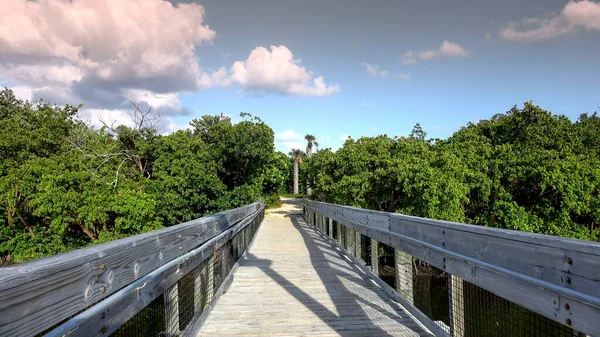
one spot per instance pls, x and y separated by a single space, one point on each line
37 295
539 272
295 282
107 316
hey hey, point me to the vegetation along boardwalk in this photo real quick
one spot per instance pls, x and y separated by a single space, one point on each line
294 282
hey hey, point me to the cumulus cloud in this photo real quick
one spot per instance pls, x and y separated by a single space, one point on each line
104 53
277 71
574 17
374 70
289 139
107 53
446 50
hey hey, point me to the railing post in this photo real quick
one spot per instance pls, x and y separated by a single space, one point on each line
339 233
457 307
210 283
350 248
374 257
404 274
197 290
357 244
172 311
330 224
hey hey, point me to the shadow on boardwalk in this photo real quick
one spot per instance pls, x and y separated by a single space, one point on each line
324 293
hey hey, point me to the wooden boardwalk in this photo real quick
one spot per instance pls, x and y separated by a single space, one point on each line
293 282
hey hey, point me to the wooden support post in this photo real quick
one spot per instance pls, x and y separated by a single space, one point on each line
321 222
172 311
374 257
330 227
210 282
350 241
457 307
404 274
198 283
339 233
357 244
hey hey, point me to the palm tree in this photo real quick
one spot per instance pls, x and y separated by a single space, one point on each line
297 155
311 141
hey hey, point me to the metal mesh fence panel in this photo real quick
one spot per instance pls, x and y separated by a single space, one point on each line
334 232
463 309
185 294
148 322
460 308
385 268
172 313
365 249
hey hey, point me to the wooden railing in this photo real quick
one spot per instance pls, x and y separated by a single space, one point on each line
553 282
96 290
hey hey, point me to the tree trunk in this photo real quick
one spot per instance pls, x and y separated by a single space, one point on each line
296 177
26 224
9 215
86 230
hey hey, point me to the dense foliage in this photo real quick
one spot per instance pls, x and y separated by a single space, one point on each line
525 169
65 185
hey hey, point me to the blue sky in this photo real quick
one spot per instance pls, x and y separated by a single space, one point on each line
497 54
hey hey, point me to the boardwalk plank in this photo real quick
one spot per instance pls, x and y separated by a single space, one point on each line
295 283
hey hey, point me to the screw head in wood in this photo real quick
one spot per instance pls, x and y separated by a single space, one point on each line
101 266
568 279
567 306
569 260
568 321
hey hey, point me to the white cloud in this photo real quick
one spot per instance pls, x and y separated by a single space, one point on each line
446 50
115 117
374 129
104 53
288 135
374 70
277 71
289 139
344 137
575 16
110 117
170 100
403 77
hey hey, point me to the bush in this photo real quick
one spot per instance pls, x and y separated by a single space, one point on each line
273 201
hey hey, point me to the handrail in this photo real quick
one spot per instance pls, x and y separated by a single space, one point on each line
556 277
36 295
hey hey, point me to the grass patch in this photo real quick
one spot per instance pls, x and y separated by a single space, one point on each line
291 195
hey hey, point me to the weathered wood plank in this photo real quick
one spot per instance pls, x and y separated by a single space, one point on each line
304 287
539 272
105 317
36 295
